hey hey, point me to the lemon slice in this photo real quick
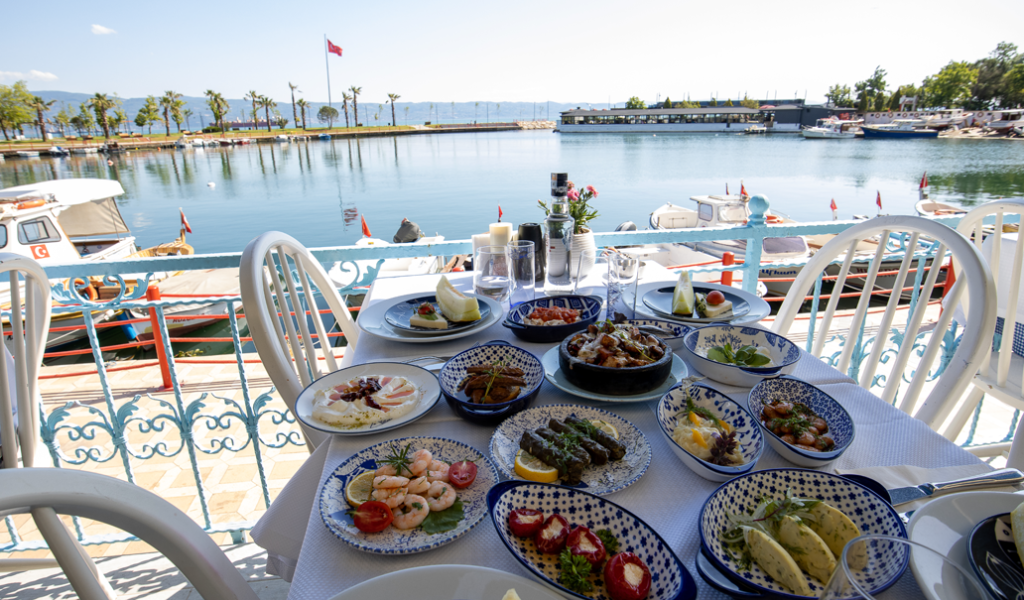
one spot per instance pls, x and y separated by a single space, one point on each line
534 469
606 427
358 490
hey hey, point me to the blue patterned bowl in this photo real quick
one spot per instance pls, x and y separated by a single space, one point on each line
603 479
589 307
784 353
867 510
671 414
454 371
669 578
334 508
840 424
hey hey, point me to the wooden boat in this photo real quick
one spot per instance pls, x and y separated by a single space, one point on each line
832 129
932 208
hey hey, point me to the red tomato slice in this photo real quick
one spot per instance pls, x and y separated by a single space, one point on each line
715 297
372 516
462 474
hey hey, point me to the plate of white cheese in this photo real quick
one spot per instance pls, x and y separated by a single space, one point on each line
661 302
368 398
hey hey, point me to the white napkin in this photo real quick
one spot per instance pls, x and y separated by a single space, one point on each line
906 476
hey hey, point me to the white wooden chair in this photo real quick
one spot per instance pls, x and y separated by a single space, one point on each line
976 281
49 492
1000 371
277 267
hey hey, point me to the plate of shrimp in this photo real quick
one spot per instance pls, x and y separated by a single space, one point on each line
410 475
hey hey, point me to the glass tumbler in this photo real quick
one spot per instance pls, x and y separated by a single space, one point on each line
491 273
522 265
623 279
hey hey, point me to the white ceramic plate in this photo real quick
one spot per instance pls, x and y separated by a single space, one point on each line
371 320
555 378
459 582
759 309
421 377
944 525
601 480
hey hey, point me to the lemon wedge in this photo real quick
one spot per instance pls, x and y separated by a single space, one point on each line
606 427
534 469
358 490
683 298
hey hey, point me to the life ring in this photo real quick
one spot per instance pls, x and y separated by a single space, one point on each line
917 115
30 204
875 115
86 288
773 218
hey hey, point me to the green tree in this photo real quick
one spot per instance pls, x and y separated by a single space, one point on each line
839 95
951 86
148 114
355 101
218 106
295 115
41 106
187 115
713 102
392 98
750 102
345 99
667 103
407 114
168 102
880 102
303 107
63 118
83 121
15 107
266 103
1013 86
633 103
327 114
100 104
876 83
728 102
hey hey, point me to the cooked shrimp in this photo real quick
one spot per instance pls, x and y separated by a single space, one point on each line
387 470
419 485
440 496
393 497
411 512
385 481
438 471
420 461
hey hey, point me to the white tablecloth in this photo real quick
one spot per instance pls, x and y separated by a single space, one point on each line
669 496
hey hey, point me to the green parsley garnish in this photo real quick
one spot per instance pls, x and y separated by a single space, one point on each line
575 571
611 543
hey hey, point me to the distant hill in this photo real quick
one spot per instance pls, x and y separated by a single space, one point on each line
418 112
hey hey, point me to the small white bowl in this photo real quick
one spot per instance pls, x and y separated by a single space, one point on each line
784 353
748 432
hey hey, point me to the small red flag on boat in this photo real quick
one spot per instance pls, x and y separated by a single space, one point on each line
499 213
743 189
878 200
333 49
833 205
366 230
924 180
727 189
184 221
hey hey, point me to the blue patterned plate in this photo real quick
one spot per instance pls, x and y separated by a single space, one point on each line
601 480
678 330
556 378
399 314
462 582
840 423
993 556
867 510
334 507
669 578
660 301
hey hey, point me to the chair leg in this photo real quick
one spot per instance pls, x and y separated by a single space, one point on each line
963 414
1016 457
79 568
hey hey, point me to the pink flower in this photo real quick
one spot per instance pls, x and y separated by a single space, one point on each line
591 189
574 195
571 185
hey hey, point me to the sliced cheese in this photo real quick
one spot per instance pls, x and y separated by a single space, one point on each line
454 304
511 595
836 529
807 549
774 560
682 298
437 322
713 310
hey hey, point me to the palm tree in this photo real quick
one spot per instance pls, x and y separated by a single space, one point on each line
100 103
41 106
476 111
295 115
345 98
301 103
355 101
407 115
253 97
187 113
169 102
218 106
393 97
266 104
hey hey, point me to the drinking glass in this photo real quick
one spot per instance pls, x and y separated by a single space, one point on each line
521 262
868 560
584 261
491 273
623 278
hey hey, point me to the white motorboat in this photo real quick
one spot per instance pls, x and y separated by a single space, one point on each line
942 119
345 274
933 208
1007 121
57 151
209 282
27 154
85 150
182 143
832 129
281 138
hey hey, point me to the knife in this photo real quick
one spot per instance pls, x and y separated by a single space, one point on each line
999 477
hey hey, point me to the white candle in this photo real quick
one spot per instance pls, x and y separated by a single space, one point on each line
481 239
501 234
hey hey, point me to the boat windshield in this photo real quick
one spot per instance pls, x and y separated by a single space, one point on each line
732 213
784 245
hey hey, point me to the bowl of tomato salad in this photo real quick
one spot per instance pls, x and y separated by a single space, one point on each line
545 320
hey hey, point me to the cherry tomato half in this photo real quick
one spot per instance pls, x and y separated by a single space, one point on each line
626 577
583 542
372 516
550 538
715 297
462 474
524 522
425 309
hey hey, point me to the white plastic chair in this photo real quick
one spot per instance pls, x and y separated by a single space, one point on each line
47 492
977 337
1000 371
276 266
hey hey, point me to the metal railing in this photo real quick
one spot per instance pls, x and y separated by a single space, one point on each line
101 434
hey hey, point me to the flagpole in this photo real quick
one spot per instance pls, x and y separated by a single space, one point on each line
327 63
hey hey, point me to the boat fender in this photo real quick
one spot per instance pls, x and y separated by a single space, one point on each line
86 289
30 204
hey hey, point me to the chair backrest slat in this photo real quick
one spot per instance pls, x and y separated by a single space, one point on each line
833 302
863 302
312 371
1010 320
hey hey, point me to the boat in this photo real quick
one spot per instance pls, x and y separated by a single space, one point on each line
205 283
1019 129
27 154
899 128
241 141
282 138
933 208
67 220
182 144
346 274
1008 119
712 119
57 151
85 150
942 119
832 129
324 136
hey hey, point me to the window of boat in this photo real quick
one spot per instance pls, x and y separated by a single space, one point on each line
733 213
3 236
705 212
784 245
37 231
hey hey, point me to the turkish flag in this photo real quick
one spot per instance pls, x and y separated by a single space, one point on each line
743 189
833 205
184 221
499 213
878 200
333 49
924 180
366 229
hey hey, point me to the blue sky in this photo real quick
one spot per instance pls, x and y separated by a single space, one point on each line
468 51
